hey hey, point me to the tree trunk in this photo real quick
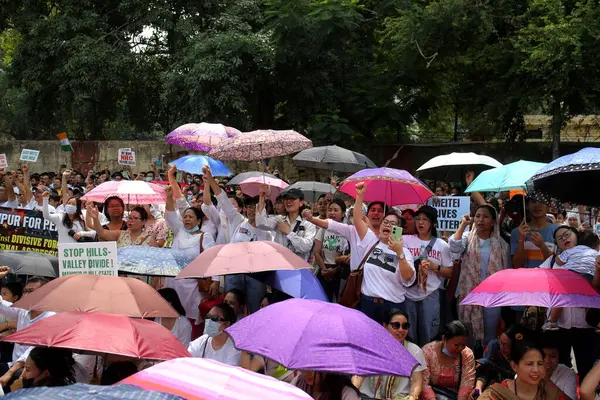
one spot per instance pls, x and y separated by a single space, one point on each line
557 121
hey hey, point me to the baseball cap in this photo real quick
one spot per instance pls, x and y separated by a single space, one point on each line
430 212
293 193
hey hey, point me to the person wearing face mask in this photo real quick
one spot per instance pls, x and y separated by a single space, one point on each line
48 367
450 372
215 343
70 224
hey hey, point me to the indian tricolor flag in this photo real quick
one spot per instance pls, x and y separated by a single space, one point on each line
65 145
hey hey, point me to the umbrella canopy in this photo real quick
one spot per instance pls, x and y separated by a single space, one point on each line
321 336
242 258
202 136
566 179
302 284
511 176
534 287
251 186
194 163
151 261
204 379
311 190
99 293
261 144
30 263
239 178
80 391
392 186
332 158
454 166
131 192
100 334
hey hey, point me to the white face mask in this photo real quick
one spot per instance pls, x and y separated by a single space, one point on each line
211 328
70 209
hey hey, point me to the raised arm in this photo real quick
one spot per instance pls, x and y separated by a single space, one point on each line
27 195
55 218
103 234
64 187
359 223
173 182
476 196
8 184
321 223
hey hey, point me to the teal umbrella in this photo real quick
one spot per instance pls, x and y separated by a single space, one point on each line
511 176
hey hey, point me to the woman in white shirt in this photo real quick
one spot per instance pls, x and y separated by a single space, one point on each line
388 268
70 224
396 387
180 327
215 343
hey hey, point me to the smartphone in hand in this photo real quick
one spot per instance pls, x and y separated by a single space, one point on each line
397 233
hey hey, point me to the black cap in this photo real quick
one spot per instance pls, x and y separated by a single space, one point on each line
293 193
430 212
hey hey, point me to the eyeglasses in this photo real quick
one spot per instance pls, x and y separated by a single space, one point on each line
564 236
387 222
215 318
423 219
398 325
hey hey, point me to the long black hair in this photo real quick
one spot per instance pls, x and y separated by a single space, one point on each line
453 329
108 200
67 222
199 214
171 296
58 362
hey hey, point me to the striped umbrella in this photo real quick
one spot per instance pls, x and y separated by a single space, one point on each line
204 379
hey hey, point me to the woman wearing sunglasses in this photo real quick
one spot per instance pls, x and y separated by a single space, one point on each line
396 387
215 343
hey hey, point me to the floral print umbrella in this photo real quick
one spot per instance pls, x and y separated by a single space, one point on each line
261 144
202 136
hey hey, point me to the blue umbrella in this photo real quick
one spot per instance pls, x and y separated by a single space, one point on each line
194 163
569 179
81 391
302 284
511 176
152 261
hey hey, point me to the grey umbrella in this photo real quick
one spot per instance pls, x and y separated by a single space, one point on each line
311 190
30 263
236 180
332 158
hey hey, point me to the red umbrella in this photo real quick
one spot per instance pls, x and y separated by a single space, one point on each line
100 334
242 258
99 293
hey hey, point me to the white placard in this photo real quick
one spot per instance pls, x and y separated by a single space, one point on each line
87 258
3 161
126 157
450 211
28 155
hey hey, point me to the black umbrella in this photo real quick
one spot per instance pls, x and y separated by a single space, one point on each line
332 158
30 263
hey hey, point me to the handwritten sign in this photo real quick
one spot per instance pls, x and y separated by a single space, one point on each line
28 155
87 258
126 157
450 211
3 161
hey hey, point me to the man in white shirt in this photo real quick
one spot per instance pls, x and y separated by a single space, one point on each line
559 374
24 319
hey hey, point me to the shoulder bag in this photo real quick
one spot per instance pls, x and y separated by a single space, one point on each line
350 294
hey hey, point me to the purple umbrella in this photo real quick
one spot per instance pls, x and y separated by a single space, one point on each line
313 335
202 136
393 186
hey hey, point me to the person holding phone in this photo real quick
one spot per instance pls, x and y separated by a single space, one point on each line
433 263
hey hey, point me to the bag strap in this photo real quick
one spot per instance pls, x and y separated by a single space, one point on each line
201 240
204 348
296 227
364 260
429 247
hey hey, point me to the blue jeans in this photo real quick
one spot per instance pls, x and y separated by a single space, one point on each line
424 318
255 290
375 308
491 318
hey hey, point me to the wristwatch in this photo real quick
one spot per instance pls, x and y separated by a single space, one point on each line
401 256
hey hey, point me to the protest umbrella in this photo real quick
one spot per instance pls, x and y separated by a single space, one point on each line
202 136
454 166
131 192
99 293
251 186
205 379
332 158
82 391
30 263
193 164
151 261
311 190
301 284
102 334
239 178
508 177
260 144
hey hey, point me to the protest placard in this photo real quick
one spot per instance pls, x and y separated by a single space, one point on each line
28 155
126 157
3 161
87 258
450 211
27 230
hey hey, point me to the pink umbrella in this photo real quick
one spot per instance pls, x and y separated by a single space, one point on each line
251 186
131 192
393 186
534 287
261 144
242 258
202 136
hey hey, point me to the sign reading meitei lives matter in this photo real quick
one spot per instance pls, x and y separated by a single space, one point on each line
87 258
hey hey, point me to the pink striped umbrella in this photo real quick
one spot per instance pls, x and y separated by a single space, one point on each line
202 136
261 144
204 379
131 192
534 287
251 186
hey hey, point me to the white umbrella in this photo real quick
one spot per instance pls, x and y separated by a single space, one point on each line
453 167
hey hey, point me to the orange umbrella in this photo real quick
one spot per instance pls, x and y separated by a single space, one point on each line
242 258
100 334
99 293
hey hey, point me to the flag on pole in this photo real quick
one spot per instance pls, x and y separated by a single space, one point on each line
65 145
